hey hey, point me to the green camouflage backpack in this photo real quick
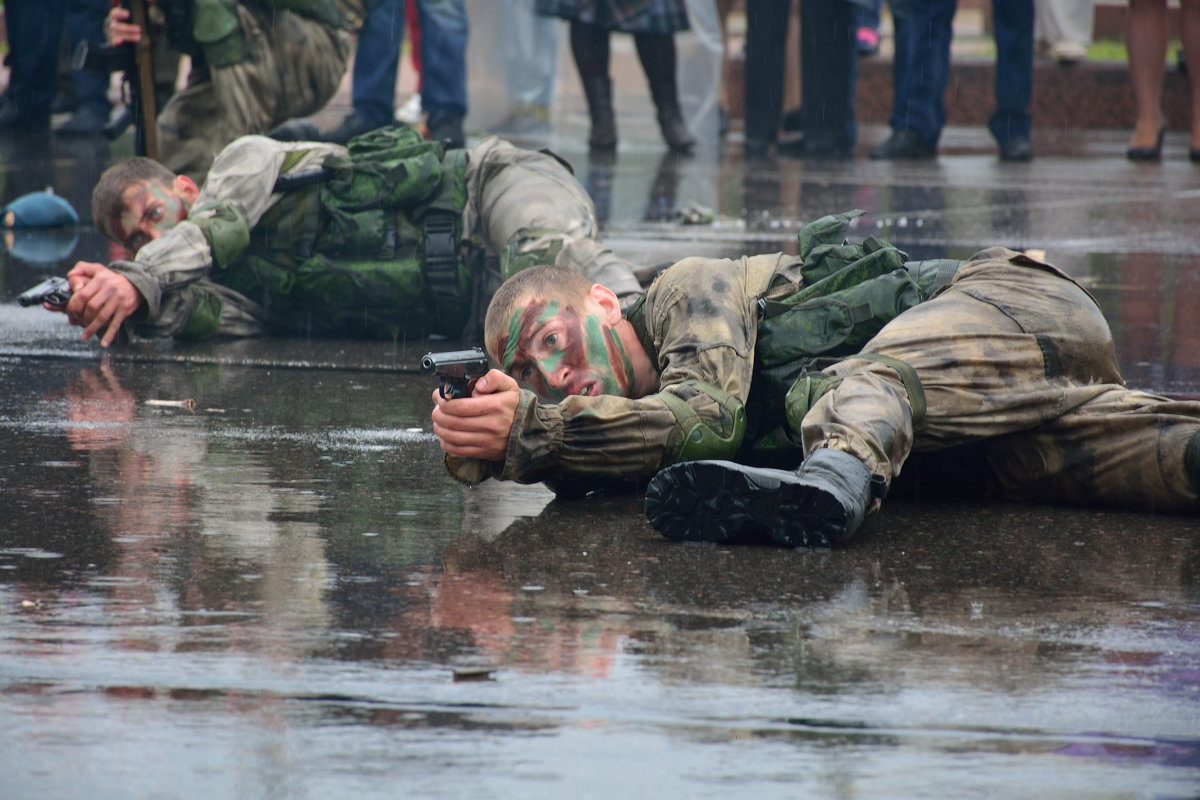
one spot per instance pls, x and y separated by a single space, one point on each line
368 245
848 293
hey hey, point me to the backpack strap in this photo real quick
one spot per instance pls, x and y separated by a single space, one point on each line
441 254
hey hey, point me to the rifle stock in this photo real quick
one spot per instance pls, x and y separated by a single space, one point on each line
144 101
136 61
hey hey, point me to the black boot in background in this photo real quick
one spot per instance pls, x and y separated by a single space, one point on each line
657 54
604 124
589 47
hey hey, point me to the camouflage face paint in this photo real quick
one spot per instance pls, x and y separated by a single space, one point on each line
556 352
148 209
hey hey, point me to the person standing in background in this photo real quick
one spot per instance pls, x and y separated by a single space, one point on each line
653 24
443 54
531 68
1146 39
1064 28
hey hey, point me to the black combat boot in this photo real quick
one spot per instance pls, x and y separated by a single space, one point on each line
656 51
674 130
670 117
818 505
604 125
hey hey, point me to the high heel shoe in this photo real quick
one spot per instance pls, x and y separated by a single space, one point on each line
1149 153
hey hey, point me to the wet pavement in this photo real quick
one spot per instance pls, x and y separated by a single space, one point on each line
276 591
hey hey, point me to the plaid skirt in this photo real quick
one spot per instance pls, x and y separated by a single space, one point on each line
628 16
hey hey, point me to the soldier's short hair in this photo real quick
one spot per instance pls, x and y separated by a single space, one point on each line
546 281
106 197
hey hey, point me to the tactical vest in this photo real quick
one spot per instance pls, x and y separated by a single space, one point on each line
848 293
368 245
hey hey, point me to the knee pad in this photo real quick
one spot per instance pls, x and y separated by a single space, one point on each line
1191 461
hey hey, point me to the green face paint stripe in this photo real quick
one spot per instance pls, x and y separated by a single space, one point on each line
597 347
514 328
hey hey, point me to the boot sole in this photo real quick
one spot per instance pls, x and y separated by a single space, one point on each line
719 501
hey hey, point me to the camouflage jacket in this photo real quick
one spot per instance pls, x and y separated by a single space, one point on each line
700 321
210 30
173 272
339 256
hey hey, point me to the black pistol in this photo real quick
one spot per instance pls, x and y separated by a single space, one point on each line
55 291
457 369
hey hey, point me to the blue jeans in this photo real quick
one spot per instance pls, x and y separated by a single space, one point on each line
85 22
443 58
921 68
1013 21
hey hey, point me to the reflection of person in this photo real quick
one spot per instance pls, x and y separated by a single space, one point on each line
1012 353
923 32
254 66
99 410
264 247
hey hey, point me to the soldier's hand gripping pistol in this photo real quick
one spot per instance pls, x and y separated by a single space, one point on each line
458 370
55 291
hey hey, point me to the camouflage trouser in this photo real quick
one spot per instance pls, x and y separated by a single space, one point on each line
527 209
293 66
1017 355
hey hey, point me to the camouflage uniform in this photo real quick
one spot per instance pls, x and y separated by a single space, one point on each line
1012 352
251 259
254 66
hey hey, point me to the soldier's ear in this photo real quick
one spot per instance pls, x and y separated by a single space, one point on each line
608 302
186 188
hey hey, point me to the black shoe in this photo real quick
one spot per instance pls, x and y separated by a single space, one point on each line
1149 153
1194 155
755 148
353 125
815 147
819 505
793 120
904 143
13 120
1016 148
84 122
63 103
674 130
446 127
295 130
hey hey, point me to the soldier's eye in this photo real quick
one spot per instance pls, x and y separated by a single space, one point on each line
525 373
551 339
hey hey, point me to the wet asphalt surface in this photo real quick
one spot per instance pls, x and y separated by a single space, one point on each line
278 592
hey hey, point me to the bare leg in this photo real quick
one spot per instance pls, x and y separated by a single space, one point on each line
1146 38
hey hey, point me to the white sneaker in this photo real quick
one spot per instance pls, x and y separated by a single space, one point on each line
1068 52
410 112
